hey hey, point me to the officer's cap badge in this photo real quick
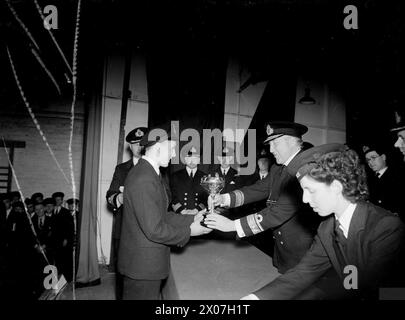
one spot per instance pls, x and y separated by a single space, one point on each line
269 130
139 133
397 118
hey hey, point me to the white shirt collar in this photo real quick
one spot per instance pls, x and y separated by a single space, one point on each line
226 170
135 160
290 158
346 218
381 172
264 175
191 170
153 164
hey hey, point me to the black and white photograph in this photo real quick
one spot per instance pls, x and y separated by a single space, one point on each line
212 151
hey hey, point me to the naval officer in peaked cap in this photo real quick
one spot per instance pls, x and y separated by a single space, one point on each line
189 197
115 197
293 224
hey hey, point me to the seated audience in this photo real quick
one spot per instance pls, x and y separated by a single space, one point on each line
30 206
15 196
37 197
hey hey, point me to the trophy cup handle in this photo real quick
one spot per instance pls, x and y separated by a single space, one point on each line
212 206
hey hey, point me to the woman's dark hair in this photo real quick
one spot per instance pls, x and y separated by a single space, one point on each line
346 168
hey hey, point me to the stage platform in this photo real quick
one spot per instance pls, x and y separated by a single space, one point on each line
203 270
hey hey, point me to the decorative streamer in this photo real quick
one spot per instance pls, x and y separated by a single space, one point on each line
33 115
22 24
36 55
52 37
74 80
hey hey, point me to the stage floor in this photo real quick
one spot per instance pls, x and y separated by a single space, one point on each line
203 270
220 269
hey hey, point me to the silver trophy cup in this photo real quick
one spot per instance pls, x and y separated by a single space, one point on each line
213 185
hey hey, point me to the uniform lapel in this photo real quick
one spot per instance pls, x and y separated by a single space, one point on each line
326 236
158 177
162 183
357 225
276 179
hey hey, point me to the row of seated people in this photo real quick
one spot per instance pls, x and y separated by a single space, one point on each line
36 233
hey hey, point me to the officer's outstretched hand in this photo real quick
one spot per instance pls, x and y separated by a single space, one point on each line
216 221
197 229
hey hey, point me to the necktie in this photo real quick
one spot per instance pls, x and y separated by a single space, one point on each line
41 222
339 244
276 184
223 173
339 232
191 174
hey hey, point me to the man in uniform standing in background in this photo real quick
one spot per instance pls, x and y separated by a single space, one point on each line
399 129
115 197
189 197
386 184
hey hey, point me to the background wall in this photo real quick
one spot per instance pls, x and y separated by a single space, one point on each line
137 115
326 119
35 168
240 107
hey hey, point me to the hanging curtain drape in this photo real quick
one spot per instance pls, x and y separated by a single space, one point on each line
88 272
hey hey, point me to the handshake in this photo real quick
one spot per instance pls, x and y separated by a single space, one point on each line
196 227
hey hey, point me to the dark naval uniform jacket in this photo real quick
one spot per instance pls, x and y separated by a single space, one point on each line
374 246
147 228
292 222
387 191
187 192
118 180
232 182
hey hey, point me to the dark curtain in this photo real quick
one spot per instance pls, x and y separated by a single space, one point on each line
187 86
276 104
